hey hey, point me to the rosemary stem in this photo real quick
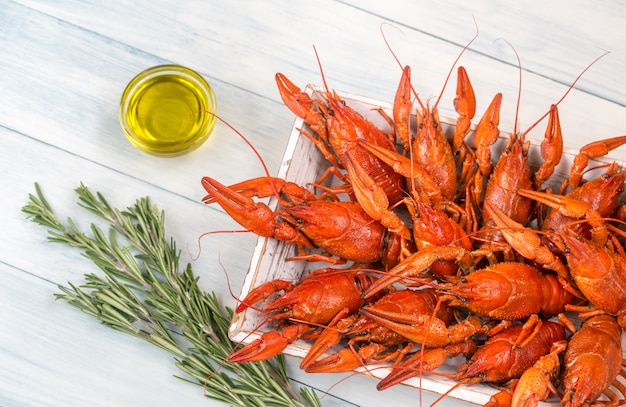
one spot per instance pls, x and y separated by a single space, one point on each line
144 293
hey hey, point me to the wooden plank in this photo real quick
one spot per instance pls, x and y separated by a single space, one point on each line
45 362
342 47
66 63
52 354
75 100
185 219
554 40
57 356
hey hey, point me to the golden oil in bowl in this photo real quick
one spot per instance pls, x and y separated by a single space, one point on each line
167 110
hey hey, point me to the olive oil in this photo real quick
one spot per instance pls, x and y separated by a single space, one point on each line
167 110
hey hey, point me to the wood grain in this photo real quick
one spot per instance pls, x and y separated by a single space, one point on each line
65 64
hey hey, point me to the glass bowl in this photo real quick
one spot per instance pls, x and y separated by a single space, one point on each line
167 110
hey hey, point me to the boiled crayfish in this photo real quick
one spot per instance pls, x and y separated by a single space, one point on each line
318 298
450 251
346 231
592 363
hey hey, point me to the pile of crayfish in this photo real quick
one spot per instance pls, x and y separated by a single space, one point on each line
434 250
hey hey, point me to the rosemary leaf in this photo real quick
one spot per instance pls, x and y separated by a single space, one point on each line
145 293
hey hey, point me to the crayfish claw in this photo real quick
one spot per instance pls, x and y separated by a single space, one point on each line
262 292
302 105
348 359
536 383
500 399
465 106
269 345
345 360
294 98
327 340
402 107
551 148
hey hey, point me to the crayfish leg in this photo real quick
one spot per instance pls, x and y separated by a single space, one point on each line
595 149
530 328
425 360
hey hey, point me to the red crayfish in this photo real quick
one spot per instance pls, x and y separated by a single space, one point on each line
317 299
485 254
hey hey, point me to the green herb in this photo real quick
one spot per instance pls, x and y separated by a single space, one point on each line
143 293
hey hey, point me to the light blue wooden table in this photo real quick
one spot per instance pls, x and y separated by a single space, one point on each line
64 64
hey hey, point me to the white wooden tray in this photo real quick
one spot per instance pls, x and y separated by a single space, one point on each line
303 163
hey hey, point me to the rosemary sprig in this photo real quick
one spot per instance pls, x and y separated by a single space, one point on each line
143 293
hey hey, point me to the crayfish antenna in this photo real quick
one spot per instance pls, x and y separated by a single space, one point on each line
395 57
465 48
319 63
423 344
252 147
241 305
402 67
519 90
569 89
444 395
